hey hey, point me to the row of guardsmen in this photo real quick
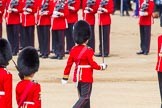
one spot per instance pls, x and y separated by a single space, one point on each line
56 16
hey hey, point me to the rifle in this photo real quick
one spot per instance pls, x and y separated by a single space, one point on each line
70 2
144 6
45 6
90 3
103 3
13 3
60 6
29 3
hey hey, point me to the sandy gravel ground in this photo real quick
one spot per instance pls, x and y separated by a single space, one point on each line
129 82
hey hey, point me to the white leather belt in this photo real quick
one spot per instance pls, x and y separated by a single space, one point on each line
78 72
28 102
2 93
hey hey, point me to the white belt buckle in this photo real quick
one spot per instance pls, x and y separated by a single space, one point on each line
79 67
2 93
28 102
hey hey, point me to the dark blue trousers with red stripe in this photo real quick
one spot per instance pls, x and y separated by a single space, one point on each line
91 42
145 36
28 35
104 32
84 91
1 30
69 37
160 84
58 42
44 39
13 36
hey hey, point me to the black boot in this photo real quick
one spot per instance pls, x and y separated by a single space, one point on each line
127 13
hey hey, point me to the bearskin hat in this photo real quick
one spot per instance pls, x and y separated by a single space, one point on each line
81 32
5 52
28 61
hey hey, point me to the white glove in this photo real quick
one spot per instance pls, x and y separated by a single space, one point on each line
89 9
103 66
40 13
29 9
99 12
14 10
131 2
24 9
71 7
143 13
63 82
86 11
25 13
54 16
104 9
9 10
58 13
43 13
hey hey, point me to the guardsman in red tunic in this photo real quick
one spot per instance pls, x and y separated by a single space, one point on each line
145 21
159 65
12 16
105 8
74 6
59 25
27 90
43 27
28 21
89 8
2 7
5 76
82 56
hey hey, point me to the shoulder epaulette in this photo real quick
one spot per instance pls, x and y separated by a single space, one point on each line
34 81
88 47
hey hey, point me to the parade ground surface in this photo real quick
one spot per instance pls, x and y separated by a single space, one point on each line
130 80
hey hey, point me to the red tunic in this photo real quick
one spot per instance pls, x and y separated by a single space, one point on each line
14 17
159 59
6 87
33 95
73 14
45 19
86 59
104 18
89 17
29 19
2 9
60 23
147 20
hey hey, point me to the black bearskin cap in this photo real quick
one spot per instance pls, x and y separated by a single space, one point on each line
28 61
81 32
5 52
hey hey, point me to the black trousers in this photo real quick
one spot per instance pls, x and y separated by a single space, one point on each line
145 36
58 42
160 13
44 39
28 36
69 37
91 42
21 37
160 84
1 30
13 36
105 31
84 91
